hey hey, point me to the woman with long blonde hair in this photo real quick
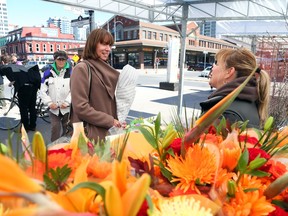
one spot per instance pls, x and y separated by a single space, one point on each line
231 68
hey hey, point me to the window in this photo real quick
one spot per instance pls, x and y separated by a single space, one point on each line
37 48
149 35
135 34
51 48
161 36
58 47
30 47
148 59
154 36
144 34
44 48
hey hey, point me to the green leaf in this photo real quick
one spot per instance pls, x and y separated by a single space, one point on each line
250 190
157 124
55 180
243 161
256 163
82 144
90 185
257 173
149 137
281 204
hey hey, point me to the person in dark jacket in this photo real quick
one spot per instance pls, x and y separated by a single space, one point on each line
231 68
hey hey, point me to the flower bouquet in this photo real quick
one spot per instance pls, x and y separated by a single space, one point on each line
153 169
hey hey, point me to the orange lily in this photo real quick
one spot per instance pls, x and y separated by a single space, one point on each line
122 199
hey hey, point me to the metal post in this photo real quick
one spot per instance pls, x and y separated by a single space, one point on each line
91 20
182 57
205 53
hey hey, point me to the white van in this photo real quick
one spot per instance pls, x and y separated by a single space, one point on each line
40 64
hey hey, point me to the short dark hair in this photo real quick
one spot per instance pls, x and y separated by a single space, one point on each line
99 35
60 54
5 58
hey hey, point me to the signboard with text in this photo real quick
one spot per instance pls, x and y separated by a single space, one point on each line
80 22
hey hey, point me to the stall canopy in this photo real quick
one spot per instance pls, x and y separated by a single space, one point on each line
181 11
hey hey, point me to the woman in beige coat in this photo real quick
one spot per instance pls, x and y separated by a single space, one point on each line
93 101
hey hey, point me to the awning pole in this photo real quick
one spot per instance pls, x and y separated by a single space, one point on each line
182 57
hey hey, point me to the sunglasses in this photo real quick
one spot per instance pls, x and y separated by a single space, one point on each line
61 59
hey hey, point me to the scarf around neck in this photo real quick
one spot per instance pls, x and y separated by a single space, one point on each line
107 75
249 93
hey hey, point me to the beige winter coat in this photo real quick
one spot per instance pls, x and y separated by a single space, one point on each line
98 111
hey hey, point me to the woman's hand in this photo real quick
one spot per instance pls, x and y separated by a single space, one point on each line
117 123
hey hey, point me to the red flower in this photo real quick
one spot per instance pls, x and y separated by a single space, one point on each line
212 129
254 152
278 212
143 210
61 150
176 146
248 139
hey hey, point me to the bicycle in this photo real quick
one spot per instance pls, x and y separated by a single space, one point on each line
10 113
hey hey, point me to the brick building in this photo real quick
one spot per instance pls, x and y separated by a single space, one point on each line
38 43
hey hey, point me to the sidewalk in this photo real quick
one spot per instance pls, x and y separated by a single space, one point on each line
148 102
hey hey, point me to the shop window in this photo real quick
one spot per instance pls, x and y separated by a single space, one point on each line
119 60
133 59
148 59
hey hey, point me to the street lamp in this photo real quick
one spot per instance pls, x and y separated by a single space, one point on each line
205 53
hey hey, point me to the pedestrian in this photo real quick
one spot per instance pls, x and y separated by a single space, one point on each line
55 93
3 61
14 59
94 102
26 82
231 68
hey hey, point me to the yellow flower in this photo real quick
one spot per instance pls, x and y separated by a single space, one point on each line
180 205
199 166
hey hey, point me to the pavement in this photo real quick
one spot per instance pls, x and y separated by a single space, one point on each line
148 102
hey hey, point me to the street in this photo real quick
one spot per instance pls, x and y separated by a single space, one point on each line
149 100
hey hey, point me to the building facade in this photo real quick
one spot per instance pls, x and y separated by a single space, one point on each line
145 45
63 23
38 43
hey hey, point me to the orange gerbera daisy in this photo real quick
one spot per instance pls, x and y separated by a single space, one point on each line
198 166
251 203
99 169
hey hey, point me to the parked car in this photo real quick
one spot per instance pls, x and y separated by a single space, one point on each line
205 72
198 66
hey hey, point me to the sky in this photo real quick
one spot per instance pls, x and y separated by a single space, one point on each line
37 12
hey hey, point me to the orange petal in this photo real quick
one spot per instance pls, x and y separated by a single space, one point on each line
13 179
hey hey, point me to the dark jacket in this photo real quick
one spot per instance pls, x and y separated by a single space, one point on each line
243 108
99 109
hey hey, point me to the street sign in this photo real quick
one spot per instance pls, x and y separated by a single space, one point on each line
80 22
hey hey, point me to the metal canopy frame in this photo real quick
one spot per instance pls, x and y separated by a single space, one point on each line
184 11
207 10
